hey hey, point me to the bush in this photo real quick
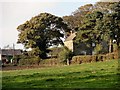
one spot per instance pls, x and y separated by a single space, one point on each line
30 57
65 55
54 52
94 58
50 62
98 48
33 60
16 59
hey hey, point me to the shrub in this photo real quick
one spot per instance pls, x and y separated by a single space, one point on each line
98 48
30 57
16 59
65 55
54 52
50 62
33 60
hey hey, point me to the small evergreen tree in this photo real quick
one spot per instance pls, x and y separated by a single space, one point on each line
65 55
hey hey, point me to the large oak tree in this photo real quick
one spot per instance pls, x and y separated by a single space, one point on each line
41 32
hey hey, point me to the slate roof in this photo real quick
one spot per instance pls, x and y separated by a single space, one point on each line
10 51
71 37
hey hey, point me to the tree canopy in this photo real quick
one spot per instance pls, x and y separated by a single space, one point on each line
76 19
94 24
99 26
41 32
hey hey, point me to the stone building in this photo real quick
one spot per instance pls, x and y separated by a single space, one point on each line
77 49
6 55
69 41
81 48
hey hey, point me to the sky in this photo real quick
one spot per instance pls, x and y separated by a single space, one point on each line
16 12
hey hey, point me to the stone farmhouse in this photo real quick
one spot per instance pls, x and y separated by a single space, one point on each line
69 41
80 49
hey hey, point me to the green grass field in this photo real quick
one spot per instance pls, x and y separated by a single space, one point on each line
89 75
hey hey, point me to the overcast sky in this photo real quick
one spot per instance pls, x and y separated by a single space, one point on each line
14 13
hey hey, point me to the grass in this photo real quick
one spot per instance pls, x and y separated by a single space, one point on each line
89 75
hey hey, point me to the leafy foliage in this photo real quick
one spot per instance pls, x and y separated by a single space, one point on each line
76 19
100 27
29 58
41 32
65 55
94 24
33 60
88 33
115 18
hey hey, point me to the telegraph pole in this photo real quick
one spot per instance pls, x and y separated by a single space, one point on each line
13 61
13 50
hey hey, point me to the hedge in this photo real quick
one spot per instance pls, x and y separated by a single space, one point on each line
29 61
93 58
50 62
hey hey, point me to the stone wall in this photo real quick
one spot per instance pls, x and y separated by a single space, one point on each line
69 44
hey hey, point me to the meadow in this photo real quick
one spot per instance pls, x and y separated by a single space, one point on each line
87 75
